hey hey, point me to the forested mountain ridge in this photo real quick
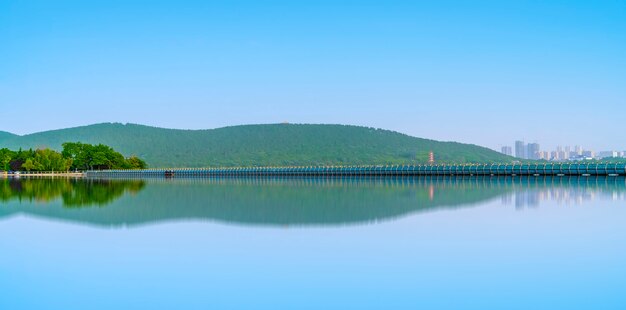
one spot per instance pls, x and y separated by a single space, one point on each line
260 145
6 135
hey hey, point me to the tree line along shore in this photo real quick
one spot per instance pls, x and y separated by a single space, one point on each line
75 156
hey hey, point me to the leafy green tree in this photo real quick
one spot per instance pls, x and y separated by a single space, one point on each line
100 161
79 153
6 156
75 155
52 161
135 162
86 156
29 165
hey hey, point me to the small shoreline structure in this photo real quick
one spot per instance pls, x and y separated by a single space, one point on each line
603 169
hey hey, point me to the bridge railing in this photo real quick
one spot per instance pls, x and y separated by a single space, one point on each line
469 169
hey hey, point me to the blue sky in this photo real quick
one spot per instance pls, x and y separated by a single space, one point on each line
484 72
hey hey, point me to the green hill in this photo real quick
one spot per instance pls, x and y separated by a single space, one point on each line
261 145
5 136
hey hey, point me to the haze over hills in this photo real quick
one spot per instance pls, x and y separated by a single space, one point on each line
260 145
5 135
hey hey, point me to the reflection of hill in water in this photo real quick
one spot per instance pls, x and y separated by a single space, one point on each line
298 201
73 192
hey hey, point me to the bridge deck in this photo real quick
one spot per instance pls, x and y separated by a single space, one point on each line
614 169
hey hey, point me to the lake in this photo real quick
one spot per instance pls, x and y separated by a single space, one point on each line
313 243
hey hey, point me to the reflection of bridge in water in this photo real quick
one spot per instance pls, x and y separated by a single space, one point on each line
606 169
287 200
570 195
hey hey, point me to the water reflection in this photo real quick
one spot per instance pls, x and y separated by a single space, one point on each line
284 201
74 193
565 191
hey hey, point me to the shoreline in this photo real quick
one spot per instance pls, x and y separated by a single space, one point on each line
45 174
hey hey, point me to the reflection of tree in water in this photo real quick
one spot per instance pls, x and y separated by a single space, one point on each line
285 201
99 192
74 192
42 190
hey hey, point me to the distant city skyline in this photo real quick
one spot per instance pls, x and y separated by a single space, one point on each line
480 72
534 151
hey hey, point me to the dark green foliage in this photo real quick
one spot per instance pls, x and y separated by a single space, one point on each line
135 162
264 145
76 156
98 157
6 156
39 160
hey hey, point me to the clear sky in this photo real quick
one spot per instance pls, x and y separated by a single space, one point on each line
484 72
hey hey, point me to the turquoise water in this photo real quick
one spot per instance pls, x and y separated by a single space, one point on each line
259 243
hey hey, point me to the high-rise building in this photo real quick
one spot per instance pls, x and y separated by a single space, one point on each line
570 152
578 150
507 150
520 150
532 151
554 155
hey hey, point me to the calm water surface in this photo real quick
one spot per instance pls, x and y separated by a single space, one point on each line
267 243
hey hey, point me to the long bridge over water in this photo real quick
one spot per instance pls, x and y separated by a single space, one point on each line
562 169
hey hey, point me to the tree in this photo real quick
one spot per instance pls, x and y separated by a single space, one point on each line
79 153
75 155
100 161
86 156
52 161
5 159
16 164
135 162
28 165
